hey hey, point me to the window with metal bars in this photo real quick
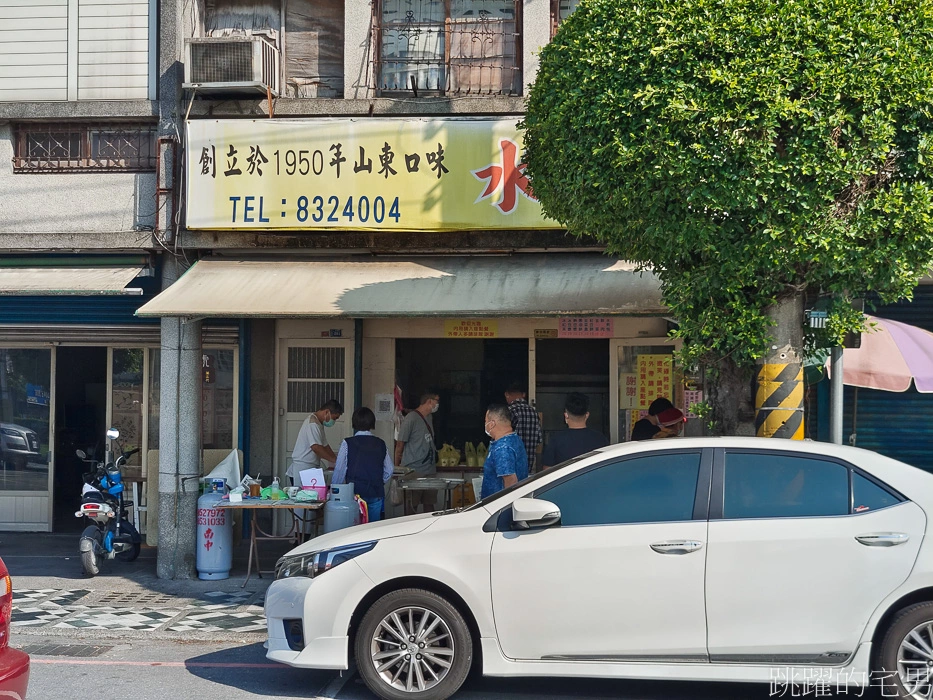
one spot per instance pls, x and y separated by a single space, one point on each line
448 47
53 148
561 10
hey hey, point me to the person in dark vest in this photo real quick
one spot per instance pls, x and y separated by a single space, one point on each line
363 460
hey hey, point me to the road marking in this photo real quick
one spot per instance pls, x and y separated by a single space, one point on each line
332 689
171 664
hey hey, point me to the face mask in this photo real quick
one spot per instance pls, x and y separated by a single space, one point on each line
436 406
329 423
485 429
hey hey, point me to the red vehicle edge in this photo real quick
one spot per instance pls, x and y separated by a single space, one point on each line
14 664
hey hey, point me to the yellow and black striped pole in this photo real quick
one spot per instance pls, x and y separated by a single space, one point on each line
779 401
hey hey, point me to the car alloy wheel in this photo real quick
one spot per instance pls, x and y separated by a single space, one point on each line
412 649
915 661
413 644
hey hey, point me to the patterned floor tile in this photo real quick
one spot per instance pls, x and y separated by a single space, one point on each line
47 597
220 621
220 600
118 619
36 617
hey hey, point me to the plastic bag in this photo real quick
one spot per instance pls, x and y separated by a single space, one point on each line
395 494
481 452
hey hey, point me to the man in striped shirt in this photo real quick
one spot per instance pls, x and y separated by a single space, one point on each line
524 421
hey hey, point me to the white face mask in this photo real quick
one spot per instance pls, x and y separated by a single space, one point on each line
485 429
436 406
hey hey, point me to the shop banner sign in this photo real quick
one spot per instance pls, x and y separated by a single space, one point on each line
471 329
628 391
358 174
654 378
691 398
585 327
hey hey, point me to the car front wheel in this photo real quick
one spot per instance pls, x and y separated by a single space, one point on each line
905 661
413 644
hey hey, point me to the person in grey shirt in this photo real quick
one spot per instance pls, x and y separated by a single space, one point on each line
415 449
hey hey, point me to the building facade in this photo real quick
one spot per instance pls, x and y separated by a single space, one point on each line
217 215
354 201
78 115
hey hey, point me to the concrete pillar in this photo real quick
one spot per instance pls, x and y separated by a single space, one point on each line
358 50
779 409
262 398
179 441
536 33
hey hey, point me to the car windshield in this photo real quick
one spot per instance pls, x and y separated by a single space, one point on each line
545 472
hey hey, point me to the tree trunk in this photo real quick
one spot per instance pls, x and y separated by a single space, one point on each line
779 385
730 398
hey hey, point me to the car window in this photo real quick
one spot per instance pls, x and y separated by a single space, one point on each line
655 488
867 495
550 471
783 486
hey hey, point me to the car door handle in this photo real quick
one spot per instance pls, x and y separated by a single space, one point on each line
676 546
883 539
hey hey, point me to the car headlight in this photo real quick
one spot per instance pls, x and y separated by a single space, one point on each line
316 563
11 432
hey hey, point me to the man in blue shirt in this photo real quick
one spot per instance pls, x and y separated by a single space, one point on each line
507 462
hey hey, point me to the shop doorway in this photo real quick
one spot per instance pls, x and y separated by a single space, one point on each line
563 366
468 374
80 413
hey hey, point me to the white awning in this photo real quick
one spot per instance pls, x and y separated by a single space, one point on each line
52 281
518 285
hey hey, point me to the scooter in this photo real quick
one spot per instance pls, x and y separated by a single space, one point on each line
111 536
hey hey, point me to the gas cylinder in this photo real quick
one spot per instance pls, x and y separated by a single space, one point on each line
215 537
341 509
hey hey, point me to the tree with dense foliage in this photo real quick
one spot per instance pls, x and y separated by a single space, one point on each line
749 152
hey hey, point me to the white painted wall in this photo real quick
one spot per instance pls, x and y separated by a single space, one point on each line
57 50
72 202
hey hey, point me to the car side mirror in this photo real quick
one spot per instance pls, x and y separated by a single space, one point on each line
528 513
81 454
113 433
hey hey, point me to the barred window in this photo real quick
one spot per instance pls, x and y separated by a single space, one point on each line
52 148
561 10
448 47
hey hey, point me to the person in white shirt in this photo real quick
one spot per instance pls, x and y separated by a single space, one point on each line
311 446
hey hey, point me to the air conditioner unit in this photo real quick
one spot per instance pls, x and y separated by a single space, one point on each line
232 65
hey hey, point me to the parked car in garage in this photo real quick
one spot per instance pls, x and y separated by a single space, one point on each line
719 559
14 664
18 445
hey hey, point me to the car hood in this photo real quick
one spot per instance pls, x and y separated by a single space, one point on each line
14 426
381 530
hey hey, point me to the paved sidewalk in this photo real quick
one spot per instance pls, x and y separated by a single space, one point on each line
53 597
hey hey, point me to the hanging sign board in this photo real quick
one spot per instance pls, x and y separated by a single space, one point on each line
376 174
654 378
628 391
585 327
471 328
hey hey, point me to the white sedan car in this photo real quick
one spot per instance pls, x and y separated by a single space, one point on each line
720 559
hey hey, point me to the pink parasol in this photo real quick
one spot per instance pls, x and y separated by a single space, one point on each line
891 355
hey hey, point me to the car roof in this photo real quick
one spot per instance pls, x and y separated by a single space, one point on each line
755 443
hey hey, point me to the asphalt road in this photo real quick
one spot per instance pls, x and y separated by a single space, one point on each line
149 669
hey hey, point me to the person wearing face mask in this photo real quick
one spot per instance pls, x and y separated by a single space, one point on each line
507 461
311 446
415 448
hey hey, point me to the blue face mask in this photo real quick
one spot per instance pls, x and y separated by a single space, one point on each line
329 423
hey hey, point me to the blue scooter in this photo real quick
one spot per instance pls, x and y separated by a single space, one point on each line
111 536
